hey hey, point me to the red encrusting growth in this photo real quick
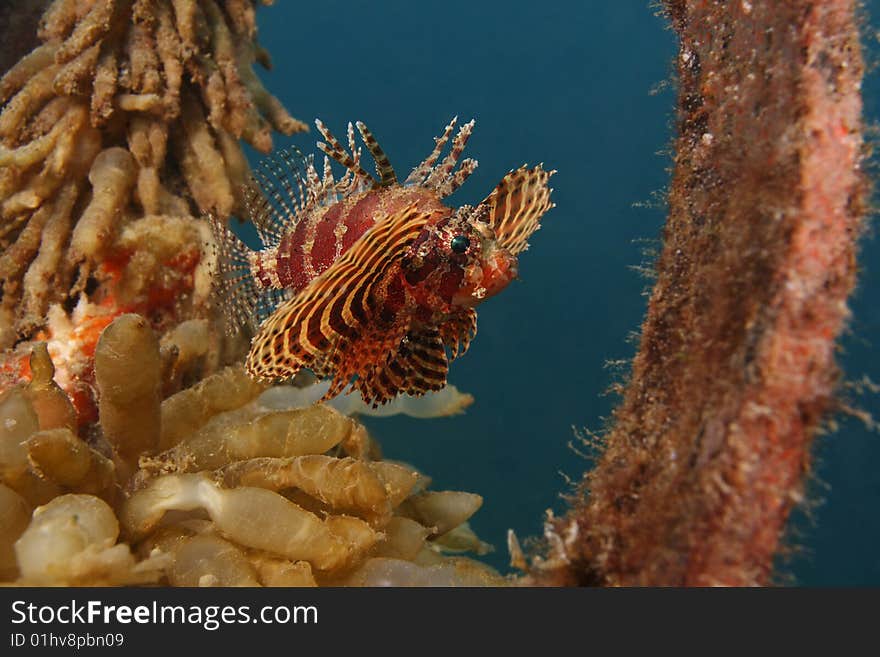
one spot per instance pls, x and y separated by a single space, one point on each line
72 343
711 443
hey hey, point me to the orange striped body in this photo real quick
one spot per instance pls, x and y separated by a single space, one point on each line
321 237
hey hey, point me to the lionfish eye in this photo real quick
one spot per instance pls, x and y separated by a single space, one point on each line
460 243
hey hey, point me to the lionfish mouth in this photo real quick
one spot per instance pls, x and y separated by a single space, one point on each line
487 278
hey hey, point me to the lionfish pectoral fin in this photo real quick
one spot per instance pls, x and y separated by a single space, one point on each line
419 365
458 331
515 207
420 362
330 327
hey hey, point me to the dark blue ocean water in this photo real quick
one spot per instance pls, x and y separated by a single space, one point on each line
582 86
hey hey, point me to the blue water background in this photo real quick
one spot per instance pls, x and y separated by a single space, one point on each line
586 88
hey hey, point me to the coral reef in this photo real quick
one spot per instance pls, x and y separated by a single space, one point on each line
212 487
130 451
117 133
711 444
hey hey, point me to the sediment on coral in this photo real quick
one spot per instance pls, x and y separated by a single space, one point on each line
211 487
117 133
711 444
121 126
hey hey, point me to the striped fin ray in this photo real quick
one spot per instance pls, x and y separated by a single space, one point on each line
328 181
352 183
334 326
456 180
383 166
349 183
442 172
458 331
515 207
420 365
421 172
443 178
335 150
317 191
261 214
423 352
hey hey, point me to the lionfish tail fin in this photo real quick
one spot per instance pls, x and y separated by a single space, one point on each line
515 207
444 178
235 289
330 326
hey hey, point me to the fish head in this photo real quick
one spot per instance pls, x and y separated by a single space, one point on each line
456 262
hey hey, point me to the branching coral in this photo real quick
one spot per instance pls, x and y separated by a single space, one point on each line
117 131
711 444
116 134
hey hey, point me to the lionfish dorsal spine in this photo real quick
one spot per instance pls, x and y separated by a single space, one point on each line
386 173
418 175
442 172
334 149
444 178
351 183
328 181
456 179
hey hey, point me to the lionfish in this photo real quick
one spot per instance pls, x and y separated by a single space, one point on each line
367 280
